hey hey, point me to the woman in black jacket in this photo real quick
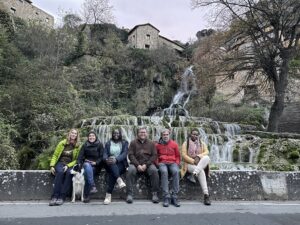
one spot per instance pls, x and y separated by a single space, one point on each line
90 158
115 156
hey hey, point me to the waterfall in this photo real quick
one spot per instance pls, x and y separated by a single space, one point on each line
220 138
182 97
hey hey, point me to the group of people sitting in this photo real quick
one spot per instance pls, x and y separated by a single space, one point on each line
159 161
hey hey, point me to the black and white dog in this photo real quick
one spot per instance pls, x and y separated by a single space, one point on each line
78 182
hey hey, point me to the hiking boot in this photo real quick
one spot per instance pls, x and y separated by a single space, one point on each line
121 183
129 199
93 190
52 202
155 198
206 200
59 201
166 202
175 202
107 199
86 199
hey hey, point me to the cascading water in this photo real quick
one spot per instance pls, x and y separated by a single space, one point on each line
221 138
182 97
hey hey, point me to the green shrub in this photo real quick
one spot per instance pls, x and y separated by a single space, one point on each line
8 158
25 157
222 111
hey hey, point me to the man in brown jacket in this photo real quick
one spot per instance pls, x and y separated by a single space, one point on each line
142 155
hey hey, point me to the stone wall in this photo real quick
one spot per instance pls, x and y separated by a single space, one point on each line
290 119
235 89
25 10
21 185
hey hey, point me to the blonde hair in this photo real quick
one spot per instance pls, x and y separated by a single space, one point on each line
69 137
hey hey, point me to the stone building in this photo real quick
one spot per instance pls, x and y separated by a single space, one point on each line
25 10
146 36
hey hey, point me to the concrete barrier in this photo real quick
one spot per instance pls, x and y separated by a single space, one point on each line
23 185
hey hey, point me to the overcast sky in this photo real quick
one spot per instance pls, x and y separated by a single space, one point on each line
174 18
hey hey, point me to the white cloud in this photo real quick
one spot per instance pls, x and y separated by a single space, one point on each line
174 18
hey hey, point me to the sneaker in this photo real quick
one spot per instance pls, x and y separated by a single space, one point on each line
93 190
52 202
129 199
107 199
175 202
59 201
121 183
191 178
166 202
155 198
206 200
86 199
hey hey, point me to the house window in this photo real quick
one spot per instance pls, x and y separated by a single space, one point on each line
148 36
133 36
147 46
231 77
47 19
12 10
36 13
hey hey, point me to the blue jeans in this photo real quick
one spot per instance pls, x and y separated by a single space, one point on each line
114 171
173 169
89 172
62 182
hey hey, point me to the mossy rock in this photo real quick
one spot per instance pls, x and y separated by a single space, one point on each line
294 155
213 167
245 154
190 124
262 152
175 123
236 154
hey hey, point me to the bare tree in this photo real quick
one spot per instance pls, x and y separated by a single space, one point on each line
273 29
97 11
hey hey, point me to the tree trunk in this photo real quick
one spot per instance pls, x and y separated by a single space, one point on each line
278 105
276 112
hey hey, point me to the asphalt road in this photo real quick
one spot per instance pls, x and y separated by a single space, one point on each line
143 212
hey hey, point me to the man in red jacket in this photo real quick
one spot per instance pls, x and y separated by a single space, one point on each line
168 162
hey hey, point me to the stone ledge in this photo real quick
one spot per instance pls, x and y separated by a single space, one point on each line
273 135
24 185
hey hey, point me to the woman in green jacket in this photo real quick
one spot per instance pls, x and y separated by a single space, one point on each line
62 161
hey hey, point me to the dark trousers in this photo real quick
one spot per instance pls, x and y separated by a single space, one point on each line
114 171
62 182
151 171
